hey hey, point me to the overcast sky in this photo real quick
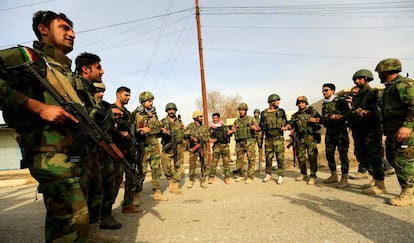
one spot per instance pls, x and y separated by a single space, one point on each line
252 48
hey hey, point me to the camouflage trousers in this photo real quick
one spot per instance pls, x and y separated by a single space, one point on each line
194 157
369 152
308 145
67 217
152 157
173 169
402 159
332 141
244 147
275 146
110 177
220 150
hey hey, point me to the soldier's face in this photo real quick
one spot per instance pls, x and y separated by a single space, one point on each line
216 119
171 112
301 105
93 73
123 97
148 104
242 112
327 92
360 82
59 34
383 77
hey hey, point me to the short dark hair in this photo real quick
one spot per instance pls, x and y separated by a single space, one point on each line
329 85
85 59
122 89
215 114
45 18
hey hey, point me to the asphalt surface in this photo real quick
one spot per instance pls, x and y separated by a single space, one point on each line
259 212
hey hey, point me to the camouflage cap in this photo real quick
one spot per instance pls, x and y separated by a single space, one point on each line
256 111
302 98
170 106
197 114
389 64
363 73
243 106
144 96
272 98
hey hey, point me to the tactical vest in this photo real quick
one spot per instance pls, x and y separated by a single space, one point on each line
220 134
272 122
103 116
177 128
243 130
143 120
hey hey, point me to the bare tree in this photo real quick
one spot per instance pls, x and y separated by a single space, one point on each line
221 103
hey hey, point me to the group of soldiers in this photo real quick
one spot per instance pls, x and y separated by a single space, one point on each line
78 146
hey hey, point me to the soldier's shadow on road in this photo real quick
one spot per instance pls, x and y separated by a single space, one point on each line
374 225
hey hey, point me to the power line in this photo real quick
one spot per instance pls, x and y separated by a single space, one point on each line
23 6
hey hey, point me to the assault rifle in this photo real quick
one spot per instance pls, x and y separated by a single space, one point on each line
294 142
199 147
86 124
172 145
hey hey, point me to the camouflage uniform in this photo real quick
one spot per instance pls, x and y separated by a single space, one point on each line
307 143
152 155
201 133
367 133
398 111
220 149
45 147
173 168
336 133
271 124
245 144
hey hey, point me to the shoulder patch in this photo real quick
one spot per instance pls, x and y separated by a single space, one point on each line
17 56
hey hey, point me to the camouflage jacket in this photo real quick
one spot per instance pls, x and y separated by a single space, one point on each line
144 118
398 105
176 128
85 91
367 99
337 106
17 84
300 121
199 132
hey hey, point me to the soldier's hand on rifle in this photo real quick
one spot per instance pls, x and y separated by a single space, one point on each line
50 113
403 133
117 113
314 119
336 117
144 130
165 131
255 128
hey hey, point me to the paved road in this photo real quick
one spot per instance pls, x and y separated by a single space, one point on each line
259 212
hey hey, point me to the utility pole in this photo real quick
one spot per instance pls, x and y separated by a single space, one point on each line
203 80
200 54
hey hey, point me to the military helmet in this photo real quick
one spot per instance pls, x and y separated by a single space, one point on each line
256 111
170 106
273 97
389 64
302 98
99 86
242 106
363 73
197 114
144 96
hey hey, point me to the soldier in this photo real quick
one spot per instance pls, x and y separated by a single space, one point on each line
304 124
172 157
125 139
148 129
272 124
220 137
46 129
88 72
244 129
335 111
397 120
198 137
366 130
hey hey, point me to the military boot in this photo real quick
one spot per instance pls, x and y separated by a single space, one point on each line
170 183
109 222
368 185
332 179
227 180
157 196
203 183
95 235
406 198
343 182
359 175
137 199
176 189
190 183
377 189
211 180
